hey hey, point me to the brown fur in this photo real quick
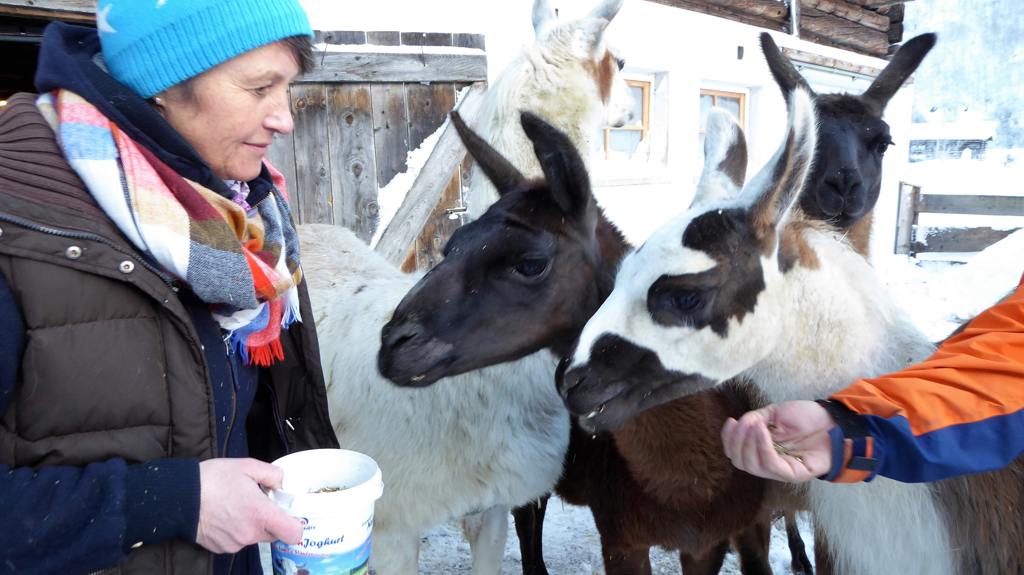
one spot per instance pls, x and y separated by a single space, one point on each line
664 481
794 249
735 163
859 234
603 71
985 521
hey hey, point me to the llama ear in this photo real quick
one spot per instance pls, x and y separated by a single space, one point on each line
902 65
725 159
543 17
588 37
786 76
564 170
606 10
500 171
773 189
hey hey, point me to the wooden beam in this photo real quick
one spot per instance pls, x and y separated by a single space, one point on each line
430 184
82 11
906 217
312 155
972 205
849 12
844 33
773 19
956 240
353 166
873 4
798 56
815 25
397 67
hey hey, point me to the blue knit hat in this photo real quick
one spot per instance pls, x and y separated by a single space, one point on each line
151 45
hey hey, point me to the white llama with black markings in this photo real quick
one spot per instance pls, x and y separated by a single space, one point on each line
746 287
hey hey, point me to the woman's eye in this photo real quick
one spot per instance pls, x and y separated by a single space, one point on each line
531 267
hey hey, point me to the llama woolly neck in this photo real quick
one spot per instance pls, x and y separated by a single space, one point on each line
838 324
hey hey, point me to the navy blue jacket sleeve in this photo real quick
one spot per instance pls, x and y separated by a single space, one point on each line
82 519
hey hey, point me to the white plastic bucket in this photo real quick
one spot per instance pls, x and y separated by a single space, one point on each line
337 524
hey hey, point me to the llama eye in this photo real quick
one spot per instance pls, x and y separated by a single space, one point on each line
676 305
621 62
530 267
883 145
685 301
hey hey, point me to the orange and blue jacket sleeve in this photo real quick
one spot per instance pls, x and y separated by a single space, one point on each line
960 411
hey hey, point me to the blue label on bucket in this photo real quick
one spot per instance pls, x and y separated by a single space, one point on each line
308 558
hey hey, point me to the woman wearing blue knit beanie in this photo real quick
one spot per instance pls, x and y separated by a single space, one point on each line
156 340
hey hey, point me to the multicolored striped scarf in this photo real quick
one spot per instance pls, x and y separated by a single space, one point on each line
243 261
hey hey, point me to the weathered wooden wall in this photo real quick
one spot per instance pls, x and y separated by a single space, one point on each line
357 117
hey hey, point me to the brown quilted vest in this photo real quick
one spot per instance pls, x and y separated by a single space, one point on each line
112 365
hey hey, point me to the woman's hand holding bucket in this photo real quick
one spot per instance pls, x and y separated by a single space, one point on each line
235 512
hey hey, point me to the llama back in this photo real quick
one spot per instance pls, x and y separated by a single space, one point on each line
333 256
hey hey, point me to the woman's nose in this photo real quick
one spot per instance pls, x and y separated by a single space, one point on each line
279 119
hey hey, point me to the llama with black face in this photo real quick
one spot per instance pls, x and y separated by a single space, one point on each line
846 177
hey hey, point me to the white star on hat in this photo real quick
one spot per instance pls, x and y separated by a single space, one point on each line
101 20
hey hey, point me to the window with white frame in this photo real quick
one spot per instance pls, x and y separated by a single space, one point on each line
733 102
632 141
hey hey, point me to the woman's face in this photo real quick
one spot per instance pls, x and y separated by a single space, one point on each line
231 112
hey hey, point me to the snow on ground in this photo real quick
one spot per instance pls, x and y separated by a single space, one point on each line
572 547
940 296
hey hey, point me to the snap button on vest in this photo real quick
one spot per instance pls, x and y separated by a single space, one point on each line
73 252
126 267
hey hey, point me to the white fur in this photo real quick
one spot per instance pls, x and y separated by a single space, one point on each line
552 78
812 332
721 133
483 442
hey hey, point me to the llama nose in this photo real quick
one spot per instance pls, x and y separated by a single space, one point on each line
393 337
848 192
568 379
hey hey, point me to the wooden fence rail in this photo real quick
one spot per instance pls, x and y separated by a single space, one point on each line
911 238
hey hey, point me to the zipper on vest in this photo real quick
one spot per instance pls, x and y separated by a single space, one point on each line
73 234
275 409
234 396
